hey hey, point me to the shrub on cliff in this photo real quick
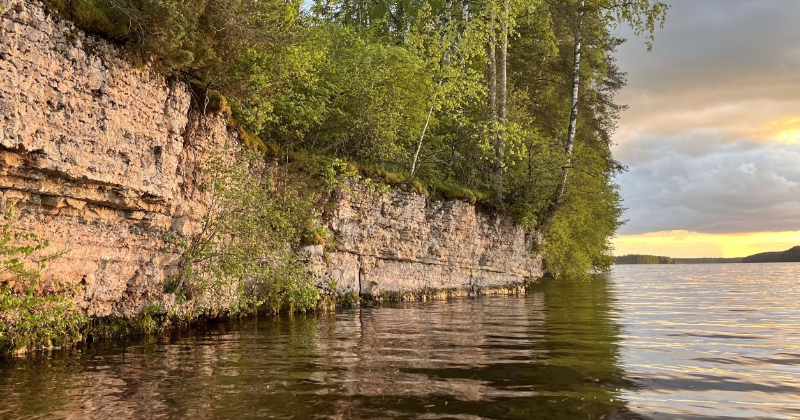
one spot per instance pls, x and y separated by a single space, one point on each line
202 38
32 316
335 91
244 247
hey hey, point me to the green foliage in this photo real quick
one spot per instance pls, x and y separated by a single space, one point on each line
151 319
200 37
216 103
243 249
578 237
31 317
396 92
336 92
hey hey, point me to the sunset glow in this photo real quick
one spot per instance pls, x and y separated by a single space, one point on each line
789 136
682 244
713 147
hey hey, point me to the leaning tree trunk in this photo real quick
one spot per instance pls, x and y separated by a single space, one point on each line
445 60
573 117
414 163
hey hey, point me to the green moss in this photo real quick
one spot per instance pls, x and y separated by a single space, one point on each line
216 103
484 196
93 16
418 188
252 142
453 192
389 177
449 190
213 102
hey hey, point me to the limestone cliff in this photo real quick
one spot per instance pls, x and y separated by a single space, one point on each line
102 158
401 242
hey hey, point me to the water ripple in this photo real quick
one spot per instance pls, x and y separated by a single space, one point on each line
648 342
711 341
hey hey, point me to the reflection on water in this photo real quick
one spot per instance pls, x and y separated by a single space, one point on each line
551 355
650 342
711 341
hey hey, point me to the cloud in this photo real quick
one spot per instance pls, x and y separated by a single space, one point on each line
733 63
688 144
694 183
711 137
709 42
694 244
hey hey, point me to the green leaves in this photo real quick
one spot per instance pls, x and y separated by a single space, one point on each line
31 317
243 251
577 239
200 37
402 86
336 91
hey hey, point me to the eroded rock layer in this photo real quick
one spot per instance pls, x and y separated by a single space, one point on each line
402 243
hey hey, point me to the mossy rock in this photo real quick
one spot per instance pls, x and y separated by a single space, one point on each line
216 103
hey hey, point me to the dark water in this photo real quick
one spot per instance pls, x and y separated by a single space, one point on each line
660 342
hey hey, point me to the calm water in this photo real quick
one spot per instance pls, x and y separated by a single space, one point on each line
649 342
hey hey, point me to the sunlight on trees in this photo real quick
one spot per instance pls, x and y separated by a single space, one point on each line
509 96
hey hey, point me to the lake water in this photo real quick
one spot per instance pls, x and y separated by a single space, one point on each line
647 342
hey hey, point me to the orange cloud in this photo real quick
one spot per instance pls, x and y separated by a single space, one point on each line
685 244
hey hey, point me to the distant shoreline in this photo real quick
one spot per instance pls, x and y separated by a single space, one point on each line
790 255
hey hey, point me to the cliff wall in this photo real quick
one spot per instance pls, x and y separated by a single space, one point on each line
101 157
402 243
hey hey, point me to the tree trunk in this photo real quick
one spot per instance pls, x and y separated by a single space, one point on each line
490 50
445 60
573 117
500 142
414 166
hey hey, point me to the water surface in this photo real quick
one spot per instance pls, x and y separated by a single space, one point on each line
648 342
716 341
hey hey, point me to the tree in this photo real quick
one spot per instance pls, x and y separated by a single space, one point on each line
642 16
544 63
447 47
507 101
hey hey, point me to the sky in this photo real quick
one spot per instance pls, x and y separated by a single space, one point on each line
711 138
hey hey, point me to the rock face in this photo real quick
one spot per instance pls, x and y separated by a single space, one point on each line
402 243
101 158
98 154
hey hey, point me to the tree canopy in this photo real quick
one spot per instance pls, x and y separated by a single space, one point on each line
508 101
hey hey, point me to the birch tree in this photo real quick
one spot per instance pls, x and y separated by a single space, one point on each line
643 16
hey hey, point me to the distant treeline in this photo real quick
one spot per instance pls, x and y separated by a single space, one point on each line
643 259
656 259
790 255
